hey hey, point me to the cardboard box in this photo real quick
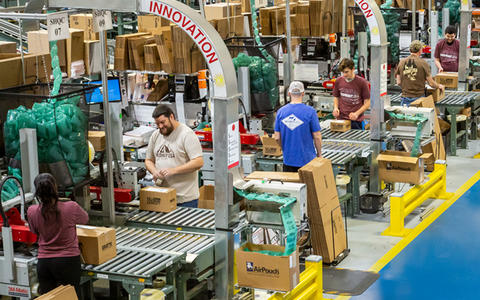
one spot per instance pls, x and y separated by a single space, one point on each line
265 22
121 50
92 56
323 209
437 94
8 47
466 111
257 270
277 19
165 49
32 64
152 59
97 138
271 146
448 79
317 18
97 244
277 176
63 292
321 186
207 197
340 125
444 125
136 49
396 166
38 43
438 145
159 199
219 10
85 23
75 48
150 23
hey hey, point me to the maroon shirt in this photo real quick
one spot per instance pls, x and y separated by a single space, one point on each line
57 238
351 96
448 55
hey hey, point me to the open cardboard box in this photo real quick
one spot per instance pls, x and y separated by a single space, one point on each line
397 166
258 270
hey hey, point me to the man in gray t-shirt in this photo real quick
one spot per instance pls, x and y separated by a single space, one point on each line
174 156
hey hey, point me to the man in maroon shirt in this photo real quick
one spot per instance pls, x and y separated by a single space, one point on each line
351 95
446 51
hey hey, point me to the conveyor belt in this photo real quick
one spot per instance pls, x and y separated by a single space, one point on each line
168 242
134 264
193 219
451 98
395 99
351 135
459 98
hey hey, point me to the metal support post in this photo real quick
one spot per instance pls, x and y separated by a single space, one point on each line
414 20
465 32
433 20
362 51
344 40
29 155
244 88
108 203
445 18
21 49
377 65
225 114
288 74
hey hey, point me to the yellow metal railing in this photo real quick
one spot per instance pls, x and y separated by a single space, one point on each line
311 282
402 204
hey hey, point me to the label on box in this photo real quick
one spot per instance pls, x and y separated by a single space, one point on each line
58 26
102 20
233 145
18 291
102 276
156 189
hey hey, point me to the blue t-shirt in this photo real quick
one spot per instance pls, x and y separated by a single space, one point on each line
296 124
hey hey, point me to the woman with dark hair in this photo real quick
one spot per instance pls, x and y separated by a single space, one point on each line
54 222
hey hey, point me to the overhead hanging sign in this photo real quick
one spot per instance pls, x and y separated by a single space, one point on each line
367 11
102 20
57 25
196 33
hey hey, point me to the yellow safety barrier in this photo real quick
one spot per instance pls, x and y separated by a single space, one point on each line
402 204
311 282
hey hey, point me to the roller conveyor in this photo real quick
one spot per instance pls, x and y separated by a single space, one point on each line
191 219
351 135
133 264
459 98
168 242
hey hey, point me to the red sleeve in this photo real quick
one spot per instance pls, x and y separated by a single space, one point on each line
336 90
365 90
81 216
438 48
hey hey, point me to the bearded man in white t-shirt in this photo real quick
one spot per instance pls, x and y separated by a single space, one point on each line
174 156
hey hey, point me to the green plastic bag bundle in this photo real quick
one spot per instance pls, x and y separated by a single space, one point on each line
454 9
392 24
288 218
10 189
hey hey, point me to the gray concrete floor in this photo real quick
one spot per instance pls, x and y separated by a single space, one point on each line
365 241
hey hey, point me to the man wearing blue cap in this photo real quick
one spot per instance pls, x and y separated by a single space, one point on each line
297 130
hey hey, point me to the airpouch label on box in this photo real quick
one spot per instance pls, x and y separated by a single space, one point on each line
252 268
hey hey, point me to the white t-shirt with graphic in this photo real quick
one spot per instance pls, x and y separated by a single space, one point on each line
178 148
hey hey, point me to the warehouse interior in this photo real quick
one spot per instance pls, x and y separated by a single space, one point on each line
247 149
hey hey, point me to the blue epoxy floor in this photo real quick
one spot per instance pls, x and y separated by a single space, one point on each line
443 262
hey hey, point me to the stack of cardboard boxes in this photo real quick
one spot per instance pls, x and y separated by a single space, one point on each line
324 212
314 18
157 46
